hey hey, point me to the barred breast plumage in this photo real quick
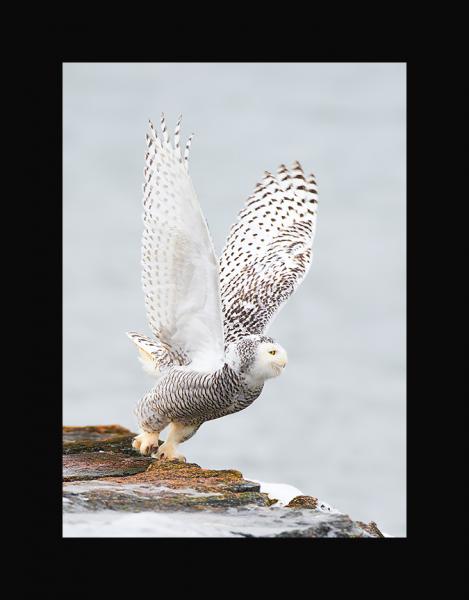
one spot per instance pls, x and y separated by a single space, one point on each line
191 397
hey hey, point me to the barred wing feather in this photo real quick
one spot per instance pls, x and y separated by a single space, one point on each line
268 251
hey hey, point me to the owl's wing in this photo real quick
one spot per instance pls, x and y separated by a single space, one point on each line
156 356
180 271
268 251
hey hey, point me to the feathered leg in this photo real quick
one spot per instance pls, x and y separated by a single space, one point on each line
177 433
146 442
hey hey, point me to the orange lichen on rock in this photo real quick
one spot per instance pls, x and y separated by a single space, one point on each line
173 474
97 429
303 502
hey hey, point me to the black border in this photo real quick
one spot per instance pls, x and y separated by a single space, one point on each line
45 88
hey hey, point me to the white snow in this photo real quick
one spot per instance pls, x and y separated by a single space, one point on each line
279 491
284 493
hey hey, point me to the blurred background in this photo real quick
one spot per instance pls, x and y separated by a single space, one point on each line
333 424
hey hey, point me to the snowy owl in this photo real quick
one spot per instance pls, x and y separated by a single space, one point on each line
210 355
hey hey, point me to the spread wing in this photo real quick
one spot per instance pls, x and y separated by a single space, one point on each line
180 271
268 251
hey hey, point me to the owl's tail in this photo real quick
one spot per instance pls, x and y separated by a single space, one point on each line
154 354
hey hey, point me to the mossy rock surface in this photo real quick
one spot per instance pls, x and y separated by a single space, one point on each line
98 438
103 474
92 432
94 465
303 502
140 497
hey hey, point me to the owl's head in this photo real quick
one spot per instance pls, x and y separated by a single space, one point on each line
257 357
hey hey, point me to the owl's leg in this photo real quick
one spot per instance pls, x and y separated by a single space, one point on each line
146 442
177 433
151 428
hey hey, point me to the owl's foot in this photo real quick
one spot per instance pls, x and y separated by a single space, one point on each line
145 443
168 452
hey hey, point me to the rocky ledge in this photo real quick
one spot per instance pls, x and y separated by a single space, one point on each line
111 491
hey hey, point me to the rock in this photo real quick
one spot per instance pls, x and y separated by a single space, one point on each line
98 438
158 486
303 502
371 528
93 432
105 479
94 465
104 495
336 526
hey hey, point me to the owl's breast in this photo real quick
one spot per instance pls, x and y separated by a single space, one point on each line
190 396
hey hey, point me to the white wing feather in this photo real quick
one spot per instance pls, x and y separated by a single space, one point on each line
180 270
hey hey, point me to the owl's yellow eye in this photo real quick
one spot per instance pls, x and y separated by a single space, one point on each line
273 352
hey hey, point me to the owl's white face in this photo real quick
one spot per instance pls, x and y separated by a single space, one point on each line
270 361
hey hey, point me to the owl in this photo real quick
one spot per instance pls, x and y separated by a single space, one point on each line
209 354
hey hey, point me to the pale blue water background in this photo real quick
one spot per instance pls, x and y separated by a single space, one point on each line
334 423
